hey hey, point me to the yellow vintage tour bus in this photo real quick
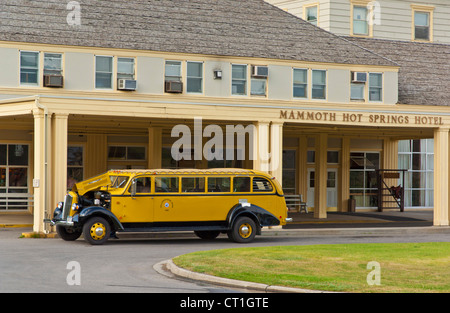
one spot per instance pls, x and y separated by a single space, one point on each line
237 202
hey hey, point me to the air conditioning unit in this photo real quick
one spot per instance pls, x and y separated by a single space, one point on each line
56 81
173 87
359 77
126 84
260 71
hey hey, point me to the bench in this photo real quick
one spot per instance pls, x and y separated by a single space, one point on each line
296 203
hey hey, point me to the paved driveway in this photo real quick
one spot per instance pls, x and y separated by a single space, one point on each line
126 265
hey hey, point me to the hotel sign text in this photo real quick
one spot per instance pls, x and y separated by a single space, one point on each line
361 118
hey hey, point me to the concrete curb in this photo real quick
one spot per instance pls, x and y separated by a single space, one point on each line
8 225
181 272
386 231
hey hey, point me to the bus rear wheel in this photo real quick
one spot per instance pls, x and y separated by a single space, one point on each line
243 230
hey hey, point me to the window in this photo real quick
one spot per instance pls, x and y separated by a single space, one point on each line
166 184
125 68
29 68
241 184
363 180
126 153
173 71
360 24
300 83
74 165
219 184
193 184
319 78
52 64
143 185
332 157
289 173
421 25
357 91
261 184
375 87
194 77
311 14
258 86
417 156
239 79
13 176
103 72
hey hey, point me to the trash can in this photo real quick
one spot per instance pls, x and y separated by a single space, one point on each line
351 204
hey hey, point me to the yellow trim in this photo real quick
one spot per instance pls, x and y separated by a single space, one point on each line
424 9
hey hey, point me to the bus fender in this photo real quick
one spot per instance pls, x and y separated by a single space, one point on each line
88 212
261 216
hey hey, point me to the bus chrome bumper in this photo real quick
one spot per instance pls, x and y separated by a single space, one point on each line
288 219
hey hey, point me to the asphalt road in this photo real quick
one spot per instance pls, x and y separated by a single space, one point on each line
127 265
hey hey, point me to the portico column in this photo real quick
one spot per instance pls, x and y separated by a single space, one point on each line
320 187
276 151
154 147
41 176
302 166
59 158
345 174
441 177
260 153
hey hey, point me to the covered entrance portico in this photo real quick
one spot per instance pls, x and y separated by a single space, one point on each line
69 136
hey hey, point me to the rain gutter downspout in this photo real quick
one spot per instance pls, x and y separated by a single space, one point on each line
45 109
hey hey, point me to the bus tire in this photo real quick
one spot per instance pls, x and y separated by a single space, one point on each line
67 234
243 230
96 230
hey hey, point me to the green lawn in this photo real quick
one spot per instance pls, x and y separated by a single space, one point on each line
404 267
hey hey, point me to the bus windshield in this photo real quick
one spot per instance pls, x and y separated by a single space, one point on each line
118 181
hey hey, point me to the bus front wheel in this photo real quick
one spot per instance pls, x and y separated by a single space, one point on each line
243 230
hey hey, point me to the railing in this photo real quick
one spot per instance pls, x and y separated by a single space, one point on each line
390 197
16 201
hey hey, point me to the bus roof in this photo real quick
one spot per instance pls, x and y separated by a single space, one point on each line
188 171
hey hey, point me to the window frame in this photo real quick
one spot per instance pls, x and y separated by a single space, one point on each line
72 166
61 70
305 83
245 80
119 74
172 77
306 8
38 82
324 85
102 72
422 9
369 11
380 88
190 77
252 83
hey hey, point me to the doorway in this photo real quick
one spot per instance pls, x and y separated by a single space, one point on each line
332 188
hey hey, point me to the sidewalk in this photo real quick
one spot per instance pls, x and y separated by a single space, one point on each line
8 220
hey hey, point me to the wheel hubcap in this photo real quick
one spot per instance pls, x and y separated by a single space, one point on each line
245 230
98 231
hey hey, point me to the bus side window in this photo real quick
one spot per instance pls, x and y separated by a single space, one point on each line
142 185
241 184
166 184
193 184
219 184
261 184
